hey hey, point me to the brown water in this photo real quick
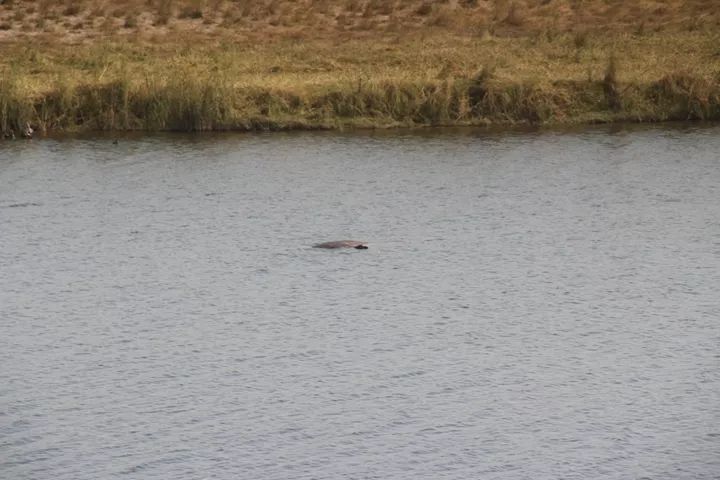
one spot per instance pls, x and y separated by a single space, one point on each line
532 306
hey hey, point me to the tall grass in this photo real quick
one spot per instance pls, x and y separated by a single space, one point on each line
195 104
610 85
15 106
157 104
379 82
682 96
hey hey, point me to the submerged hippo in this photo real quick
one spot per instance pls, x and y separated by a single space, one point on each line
343 244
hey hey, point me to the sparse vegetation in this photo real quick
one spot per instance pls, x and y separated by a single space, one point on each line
217 64
163 12
191 12
71 10
130 21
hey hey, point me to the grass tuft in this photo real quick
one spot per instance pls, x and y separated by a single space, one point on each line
682 96
610 85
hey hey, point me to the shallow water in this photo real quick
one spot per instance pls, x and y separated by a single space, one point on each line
533 305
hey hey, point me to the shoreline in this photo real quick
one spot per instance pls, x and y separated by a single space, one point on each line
419 131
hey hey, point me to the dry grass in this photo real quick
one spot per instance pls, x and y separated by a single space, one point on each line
246 64
262 19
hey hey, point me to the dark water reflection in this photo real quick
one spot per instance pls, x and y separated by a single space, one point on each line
534 305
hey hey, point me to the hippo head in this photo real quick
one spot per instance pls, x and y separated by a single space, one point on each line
361 247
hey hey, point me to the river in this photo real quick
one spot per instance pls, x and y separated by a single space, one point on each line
532 305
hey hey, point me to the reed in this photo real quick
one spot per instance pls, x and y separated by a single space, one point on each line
15 105
194 104
610 85
682 96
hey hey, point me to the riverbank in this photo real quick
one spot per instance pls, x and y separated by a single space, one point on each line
193 80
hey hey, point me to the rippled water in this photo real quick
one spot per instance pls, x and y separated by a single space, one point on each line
532 306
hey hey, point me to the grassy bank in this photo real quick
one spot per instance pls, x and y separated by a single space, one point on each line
471 66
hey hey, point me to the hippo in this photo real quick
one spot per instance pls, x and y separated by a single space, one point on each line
343 244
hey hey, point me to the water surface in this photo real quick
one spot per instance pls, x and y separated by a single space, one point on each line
533 305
